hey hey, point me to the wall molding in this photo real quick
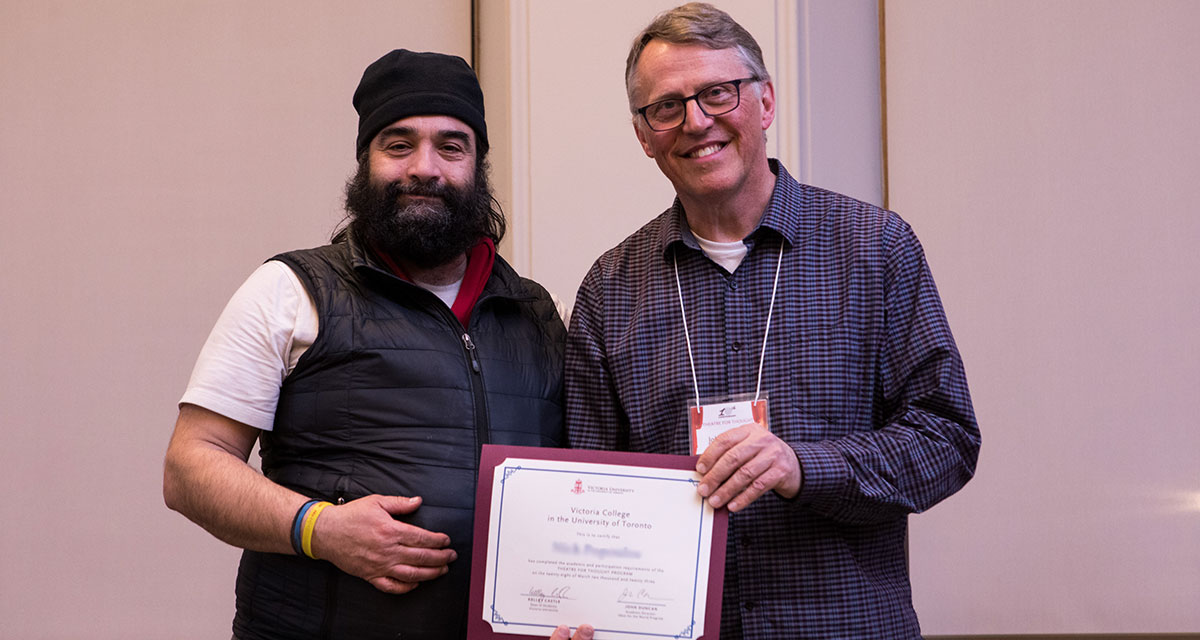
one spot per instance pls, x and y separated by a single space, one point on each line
792 121
792 58
509 89
521 188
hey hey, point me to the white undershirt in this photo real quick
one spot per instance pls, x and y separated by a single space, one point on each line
726 254
447 293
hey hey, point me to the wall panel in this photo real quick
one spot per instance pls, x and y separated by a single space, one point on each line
1046 154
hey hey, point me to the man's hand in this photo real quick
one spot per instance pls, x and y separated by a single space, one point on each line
363 539
563 632
743 463
206 478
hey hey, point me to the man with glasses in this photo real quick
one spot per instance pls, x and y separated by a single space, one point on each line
809 317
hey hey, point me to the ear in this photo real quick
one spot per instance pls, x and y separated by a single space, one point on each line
768 104
641 136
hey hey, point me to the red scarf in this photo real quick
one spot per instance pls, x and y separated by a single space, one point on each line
480 260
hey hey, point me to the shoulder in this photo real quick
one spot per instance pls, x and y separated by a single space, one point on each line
639 251
846 221
526 292
273 285
323 271
322 257
246 356
843 206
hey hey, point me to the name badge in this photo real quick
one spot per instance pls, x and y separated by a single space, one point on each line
710 419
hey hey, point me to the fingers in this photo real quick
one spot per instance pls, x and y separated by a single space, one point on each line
717 448
409 535
743 464
383 510
421 558
416 537
563 632
369 522
391 585
403 577
399 505
363 538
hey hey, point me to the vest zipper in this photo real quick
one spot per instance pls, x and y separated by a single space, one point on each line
471 351
481 417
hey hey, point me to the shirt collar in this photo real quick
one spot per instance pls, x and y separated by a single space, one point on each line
789 214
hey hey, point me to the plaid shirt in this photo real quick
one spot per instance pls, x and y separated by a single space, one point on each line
864 381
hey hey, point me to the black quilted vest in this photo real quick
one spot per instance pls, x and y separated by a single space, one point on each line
396 398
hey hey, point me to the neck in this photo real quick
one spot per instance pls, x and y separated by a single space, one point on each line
448 273
731 218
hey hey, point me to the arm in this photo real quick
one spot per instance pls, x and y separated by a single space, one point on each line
206 478
925 442
594 417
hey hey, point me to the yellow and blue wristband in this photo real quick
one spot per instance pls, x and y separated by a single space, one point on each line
303 525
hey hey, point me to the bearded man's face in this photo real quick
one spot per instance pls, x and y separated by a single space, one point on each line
419 193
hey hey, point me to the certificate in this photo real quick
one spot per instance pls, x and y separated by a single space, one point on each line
620 541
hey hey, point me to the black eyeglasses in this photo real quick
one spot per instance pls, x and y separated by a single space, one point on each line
714 100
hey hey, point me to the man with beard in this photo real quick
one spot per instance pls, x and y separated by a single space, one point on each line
370 371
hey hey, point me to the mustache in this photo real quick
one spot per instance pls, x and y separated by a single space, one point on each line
426 189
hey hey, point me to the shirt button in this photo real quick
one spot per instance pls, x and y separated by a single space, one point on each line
733 285
748 605
737 345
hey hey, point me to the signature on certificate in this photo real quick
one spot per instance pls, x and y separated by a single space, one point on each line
640 596
555 592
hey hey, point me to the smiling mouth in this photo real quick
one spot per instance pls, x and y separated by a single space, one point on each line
706 151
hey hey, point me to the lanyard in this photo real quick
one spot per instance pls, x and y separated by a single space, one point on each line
762 358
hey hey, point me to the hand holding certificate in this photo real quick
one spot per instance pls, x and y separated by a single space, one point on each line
621 541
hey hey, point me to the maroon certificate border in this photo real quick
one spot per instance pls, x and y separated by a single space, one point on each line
493 455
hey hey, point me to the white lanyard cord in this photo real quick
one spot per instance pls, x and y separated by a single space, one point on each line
762 358
770 309
686 338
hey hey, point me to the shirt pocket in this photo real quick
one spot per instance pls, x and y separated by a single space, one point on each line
832 373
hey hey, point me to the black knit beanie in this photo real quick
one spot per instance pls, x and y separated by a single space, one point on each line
407 83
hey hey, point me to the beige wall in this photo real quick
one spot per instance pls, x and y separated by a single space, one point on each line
151 155
1047 154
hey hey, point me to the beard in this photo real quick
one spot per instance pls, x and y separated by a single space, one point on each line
427 233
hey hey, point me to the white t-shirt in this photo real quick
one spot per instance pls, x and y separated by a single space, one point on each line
267 325
726 254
